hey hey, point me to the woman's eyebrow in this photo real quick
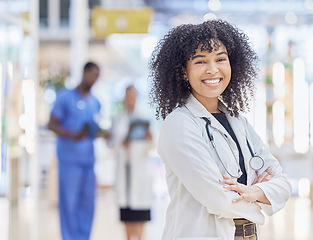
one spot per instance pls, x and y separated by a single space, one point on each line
220 53
197 56
202 56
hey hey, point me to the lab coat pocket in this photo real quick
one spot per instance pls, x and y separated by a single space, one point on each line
200 238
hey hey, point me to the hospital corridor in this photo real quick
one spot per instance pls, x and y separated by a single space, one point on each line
86 88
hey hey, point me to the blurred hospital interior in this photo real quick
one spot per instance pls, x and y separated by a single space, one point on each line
44 45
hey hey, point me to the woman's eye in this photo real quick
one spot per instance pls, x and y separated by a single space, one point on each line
199 62
221 59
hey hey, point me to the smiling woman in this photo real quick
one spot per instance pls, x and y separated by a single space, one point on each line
202 79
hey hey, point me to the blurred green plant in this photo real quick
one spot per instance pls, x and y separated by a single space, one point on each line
52 79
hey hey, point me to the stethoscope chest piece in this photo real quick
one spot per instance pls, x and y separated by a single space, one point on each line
256 163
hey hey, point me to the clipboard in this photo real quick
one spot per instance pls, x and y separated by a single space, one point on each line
137 130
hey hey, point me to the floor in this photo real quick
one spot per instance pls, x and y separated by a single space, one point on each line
292 223
28 222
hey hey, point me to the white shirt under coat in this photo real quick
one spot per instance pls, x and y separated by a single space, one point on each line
200 207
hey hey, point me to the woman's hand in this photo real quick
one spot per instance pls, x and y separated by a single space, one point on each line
248 193
267 175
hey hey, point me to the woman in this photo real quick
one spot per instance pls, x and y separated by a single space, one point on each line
202 79
131 136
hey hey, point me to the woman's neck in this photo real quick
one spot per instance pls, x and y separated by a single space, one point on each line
211 104
214 110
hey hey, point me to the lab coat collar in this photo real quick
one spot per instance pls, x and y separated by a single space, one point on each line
199 111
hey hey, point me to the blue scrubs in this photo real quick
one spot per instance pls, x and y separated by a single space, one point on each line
77 183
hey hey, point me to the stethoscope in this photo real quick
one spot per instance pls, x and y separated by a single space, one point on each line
256 162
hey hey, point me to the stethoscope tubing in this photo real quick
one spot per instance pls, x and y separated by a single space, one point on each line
256 162
207 125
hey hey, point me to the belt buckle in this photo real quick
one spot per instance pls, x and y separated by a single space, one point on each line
244 230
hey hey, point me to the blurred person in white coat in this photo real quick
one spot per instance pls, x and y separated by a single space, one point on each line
219 173
132 139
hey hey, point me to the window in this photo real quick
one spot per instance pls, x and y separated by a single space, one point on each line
43 13
93 3
64 12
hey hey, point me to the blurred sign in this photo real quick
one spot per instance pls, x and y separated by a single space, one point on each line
26 17
106 21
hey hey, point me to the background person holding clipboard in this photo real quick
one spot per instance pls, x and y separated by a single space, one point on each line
131 138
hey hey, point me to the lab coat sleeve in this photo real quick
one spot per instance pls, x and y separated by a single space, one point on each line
184 151
278 189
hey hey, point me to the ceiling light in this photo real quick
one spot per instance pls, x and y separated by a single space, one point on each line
209 16
214 5
291 17
309 4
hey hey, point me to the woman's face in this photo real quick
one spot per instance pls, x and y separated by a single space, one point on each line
208 73
130 99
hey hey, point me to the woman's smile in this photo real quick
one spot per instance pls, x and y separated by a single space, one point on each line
212 81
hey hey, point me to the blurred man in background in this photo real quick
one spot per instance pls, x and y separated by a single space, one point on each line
74 120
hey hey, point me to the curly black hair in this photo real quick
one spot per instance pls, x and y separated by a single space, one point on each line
170 56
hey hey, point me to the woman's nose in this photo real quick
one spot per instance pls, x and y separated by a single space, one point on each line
212 69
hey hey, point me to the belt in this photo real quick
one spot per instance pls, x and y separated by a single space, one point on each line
245 228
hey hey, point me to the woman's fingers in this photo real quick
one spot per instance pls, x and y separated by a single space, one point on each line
241 197
248 193
269 170
267 175
267 178
262 176
227 180
239 188
225 177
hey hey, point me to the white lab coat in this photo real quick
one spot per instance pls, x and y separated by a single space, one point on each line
200 208
136 190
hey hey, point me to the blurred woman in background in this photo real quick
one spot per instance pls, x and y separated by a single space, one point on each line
131 138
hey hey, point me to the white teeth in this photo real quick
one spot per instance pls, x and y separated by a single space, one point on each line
212 81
